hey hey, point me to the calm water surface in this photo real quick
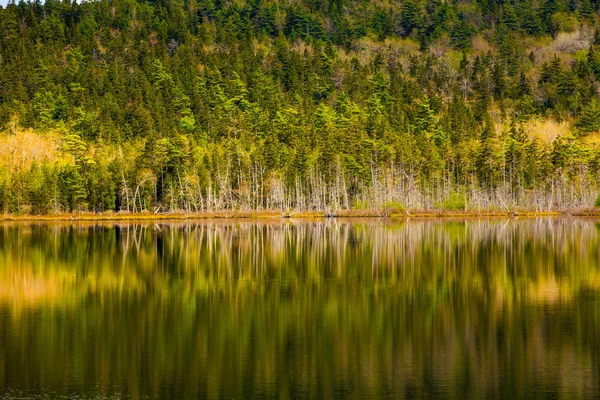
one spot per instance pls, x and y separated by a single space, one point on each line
301 309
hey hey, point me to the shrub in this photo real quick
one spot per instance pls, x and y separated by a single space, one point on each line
597 202
455 201
564 22
360 205
394 207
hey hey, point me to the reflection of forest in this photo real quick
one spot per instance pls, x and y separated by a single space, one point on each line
543 259
352 308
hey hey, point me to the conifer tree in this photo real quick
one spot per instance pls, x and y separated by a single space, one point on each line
589 119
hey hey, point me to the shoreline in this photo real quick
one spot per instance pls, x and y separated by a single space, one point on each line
276 214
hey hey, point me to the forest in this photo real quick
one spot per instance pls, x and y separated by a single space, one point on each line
205 105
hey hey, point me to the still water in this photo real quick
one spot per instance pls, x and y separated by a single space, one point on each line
301 309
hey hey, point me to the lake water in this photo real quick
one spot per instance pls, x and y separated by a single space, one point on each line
301 309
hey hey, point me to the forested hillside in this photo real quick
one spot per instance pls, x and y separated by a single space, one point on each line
203 105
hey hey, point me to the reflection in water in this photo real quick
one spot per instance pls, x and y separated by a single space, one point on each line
287 309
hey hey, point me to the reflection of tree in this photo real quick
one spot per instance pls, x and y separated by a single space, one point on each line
224 309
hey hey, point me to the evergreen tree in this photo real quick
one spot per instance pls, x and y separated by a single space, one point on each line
222 105
509 17
589 119
586 11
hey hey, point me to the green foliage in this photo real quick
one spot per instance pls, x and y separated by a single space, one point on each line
394 208
234 104
454 202
589 120
361 205
74 189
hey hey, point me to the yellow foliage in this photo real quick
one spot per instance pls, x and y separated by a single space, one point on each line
565 46
481 46
547 130
592 140
24 285
366 48
547 290
19 149
300 47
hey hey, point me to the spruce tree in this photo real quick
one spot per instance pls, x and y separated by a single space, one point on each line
586 11
509 17
589 118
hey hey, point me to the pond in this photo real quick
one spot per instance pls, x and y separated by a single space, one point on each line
355 308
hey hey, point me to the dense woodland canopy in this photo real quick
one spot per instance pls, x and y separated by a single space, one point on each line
197 105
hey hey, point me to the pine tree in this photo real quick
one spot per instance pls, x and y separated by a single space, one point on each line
529 18
410 17
461 34
586 11
488 162
74 187
509 17
549 8
499 80
425 119
516 154
589 119
592 60
524 88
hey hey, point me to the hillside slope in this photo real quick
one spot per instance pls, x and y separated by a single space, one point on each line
312 105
